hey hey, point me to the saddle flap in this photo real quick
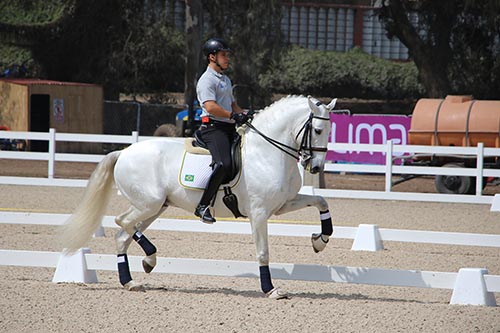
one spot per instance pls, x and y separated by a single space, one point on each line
196 170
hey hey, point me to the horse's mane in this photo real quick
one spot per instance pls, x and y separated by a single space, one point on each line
280 107
288 100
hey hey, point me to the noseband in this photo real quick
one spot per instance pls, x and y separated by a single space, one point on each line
306 149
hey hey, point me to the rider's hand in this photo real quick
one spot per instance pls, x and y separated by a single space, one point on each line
239 118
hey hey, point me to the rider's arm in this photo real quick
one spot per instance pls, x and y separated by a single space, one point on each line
216 110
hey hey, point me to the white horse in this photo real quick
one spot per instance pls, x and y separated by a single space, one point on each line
147 174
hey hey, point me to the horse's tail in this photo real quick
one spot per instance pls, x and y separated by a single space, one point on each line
80 226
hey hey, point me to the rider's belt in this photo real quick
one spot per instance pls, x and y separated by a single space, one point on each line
205 120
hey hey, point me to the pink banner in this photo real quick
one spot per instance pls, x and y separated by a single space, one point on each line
371 129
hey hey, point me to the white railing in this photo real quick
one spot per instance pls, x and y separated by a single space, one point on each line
365 237
388 169
470 285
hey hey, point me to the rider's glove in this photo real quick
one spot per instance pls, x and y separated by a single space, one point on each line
239 118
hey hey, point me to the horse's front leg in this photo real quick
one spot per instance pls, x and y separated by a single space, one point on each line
260 236
319 240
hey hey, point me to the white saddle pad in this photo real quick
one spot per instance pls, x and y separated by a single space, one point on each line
196 171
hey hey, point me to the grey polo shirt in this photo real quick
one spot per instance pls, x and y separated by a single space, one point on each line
213 86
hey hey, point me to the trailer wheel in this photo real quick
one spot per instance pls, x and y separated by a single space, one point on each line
455 184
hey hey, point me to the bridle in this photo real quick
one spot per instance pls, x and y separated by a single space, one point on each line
306 149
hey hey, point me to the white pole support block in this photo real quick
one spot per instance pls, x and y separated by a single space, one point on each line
367 238
100 232
73 268
470 288
495 205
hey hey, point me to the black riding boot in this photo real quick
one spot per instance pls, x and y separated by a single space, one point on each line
202 210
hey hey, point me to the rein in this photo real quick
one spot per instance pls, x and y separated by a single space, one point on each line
305 144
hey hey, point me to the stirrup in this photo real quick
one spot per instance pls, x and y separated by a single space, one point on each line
203 212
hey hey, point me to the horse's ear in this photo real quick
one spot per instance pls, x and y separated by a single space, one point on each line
313 104
332 104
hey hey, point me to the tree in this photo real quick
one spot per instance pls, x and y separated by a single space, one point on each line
193 47
455 44
252 28
119 44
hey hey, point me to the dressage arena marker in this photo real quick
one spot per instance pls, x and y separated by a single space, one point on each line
74 268
367 238
471 286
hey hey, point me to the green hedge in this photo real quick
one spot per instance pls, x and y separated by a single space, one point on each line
336 74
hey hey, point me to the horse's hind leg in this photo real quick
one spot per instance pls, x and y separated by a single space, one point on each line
123 240
319 240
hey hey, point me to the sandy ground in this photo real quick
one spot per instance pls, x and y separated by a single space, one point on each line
30 302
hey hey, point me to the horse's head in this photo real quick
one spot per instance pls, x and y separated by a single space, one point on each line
316 130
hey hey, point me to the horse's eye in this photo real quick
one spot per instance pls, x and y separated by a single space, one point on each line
318 131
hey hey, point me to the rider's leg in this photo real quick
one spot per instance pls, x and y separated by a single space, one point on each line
219 144
215 181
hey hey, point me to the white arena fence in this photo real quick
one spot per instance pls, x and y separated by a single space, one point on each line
470 285
391 151
366 237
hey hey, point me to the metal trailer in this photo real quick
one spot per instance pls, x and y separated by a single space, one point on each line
454 121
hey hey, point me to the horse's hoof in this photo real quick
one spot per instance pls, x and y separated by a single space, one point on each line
318 242
147 268
148 263
277 293
134 286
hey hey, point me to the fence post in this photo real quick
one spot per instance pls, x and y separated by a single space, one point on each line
479 168
52 152
388 166
138 115
73 268
470 288
135 137
367 238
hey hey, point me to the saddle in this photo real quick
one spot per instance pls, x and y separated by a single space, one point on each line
198 146
196 169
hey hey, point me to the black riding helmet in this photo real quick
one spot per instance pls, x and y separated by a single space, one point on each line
214 45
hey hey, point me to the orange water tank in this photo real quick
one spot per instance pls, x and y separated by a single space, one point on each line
455 121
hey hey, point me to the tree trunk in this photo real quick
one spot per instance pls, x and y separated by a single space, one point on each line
193 49
432 55
432 71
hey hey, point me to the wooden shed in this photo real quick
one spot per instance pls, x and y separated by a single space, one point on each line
36 105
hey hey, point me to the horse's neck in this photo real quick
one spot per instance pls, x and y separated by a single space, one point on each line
280 125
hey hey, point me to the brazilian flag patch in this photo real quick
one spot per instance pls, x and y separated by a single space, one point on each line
189 178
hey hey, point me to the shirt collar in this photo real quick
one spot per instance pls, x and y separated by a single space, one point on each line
214 72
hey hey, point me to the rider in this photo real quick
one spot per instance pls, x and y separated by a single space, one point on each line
220 113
